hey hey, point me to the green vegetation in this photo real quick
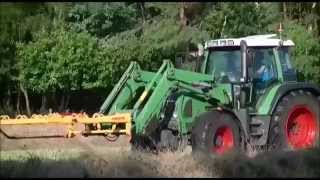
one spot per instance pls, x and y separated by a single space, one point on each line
52 51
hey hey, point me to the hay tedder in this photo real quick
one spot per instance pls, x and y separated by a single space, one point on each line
239 92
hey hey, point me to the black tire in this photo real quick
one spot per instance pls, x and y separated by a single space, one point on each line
278 138
206 128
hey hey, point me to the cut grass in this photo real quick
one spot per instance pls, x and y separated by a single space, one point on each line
119 162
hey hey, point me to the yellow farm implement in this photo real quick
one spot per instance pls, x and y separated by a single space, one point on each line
114 124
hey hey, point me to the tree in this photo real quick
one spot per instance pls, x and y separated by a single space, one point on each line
103 18
60 60
18 21
240 19
306 52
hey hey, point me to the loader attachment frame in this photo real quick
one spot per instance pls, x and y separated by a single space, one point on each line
120 123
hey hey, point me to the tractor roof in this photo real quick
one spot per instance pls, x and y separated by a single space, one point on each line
257 40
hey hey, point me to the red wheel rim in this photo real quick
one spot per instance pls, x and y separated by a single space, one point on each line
223 140
301 128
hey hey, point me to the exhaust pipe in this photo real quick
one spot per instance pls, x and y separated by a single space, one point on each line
243 49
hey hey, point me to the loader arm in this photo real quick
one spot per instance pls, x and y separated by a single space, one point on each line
125 89
115 91
143 94
146 111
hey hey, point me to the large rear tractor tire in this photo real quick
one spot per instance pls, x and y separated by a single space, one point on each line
216 133
295 122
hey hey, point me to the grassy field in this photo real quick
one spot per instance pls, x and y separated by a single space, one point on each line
120 162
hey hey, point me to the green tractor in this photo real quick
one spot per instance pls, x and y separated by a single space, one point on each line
238 92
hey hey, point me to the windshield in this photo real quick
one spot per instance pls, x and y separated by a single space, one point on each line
224 64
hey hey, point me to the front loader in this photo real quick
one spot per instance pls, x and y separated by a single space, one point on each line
243 92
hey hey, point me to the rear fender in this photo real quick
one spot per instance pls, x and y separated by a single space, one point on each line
288 87
267 104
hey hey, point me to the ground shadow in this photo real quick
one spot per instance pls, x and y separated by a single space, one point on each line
83 167
30 137
294 164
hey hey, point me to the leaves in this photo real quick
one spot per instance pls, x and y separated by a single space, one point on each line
306 51
238 19
72 46
104 19
60 60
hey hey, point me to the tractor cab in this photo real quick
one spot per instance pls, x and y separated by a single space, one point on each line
269 59
259 61
222 59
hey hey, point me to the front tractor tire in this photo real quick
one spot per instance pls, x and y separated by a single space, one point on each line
295 122
216 133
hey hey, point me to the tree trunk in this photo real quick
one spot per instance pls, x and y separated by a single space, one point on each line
43 107
142 8
183 18
66 104
54 101
314 11
61 106
223 26
25 93
18 102
8 99
284 11
300 13
318 21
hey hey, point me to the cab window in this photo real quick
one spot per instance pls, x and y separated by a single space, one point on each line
224 64
289 72
264 67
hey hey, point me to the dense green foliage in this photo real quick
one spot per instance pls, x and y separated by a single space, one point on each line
51 48
306 52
